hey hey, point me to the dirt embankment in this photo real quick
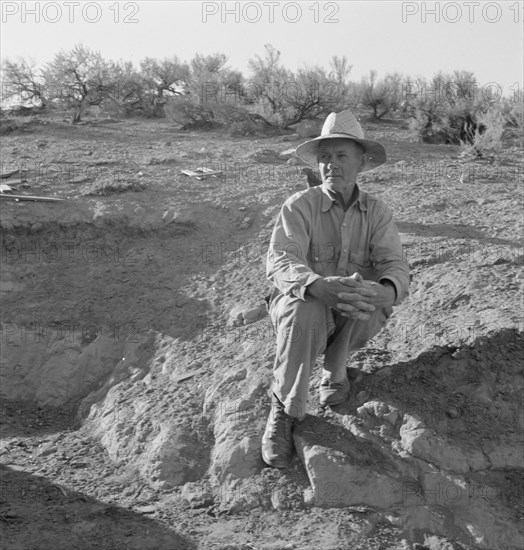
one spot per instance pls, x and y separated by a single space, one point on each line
134 401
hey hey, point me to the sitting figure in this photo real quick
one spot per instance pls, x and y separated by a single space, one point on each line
336 263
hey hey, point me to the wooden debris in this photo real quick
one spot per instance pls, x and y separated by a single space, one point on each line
9 173
4 188
287 154
15 182
451 303
201 173
30 198
80 179
188 375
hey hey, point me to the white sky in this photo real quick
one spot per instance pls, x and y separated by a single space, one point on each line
486 37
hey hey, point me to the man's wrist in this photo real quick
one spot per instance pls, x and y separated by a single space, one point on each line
312 288
391 284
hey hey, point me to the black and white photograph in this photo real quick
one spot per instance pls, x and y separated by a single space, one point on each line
261 275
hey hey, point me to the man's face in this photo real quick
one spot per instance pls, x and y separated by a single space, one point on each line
339 162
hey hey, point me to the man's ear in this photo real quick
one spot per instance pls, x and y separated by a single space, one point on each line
362 162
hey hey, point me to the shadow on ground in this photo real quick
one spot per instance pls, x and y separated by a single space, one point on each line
454 231
37 514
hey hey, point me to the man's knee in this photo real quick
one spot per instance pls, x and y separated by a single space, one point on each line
297 319
362 331
290 307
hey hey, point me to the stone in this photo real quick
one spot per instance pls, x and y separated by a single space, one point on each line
197 494
423 443
244 315
291 137
254 314
267 156
234 458
236 317
504 455
146 509
347 472
279 499
379 410
287 154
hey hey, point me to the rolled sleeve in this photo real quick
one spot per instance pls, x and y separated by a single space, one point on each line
287 266
387 254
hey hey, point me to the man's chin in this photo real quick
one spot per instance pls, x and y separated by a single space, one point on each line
333 184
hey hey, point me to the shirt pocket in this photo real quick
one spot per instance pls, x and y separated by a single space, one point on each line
360 261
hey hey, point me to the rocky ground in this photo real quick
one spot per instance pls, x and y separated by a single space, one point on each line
136 354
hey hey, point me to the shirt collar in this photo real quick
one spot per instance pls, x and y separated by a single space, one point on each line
329 198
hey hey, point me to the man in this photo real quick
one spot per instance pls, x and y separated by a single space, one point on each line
336 262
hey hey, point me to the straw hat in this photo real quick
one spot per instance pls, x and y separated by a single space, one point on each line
343 125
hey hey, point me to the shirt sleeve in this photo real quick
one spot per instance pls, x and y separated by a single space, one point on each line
287 266
387 254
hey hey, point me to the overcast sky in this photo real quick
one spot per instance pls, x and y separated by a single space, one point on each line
415 38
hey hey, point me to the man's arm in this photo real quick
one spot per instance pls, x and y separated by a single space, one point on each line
286 265
288 270
387 254
348 295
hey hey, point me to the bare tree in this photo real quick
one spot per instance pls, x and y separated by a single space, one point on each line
163 76
383 95
23 80
340 69
311 93
79 78
285 97
268 78
211 80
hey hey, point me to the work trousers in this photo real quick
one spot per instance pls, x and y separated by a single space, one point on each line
306 329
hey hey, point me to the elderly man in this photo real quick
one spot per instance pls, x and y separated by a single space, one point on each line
336 263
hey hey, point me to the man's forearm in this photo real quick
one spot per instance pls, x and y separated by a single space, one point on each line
391 284
315 289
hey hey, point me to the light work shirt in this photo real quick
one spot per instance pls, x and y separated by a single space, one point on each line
315 237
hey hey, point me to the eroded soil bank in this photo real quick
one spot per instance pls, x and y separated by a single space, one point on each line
133 399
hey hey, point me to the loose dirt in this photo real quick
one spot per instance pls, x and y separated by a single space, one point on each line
133 403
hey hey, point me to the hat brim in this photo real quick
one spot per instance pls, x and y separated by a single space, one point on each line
374 151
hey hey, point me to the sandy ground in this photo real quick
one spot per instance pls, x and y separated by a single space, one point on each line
120 357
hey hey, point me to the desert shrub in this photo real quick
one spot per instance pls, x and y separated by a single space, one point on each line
80 78
188 112
108 186
148 91
284 98
21 79
428 123
238 120
513 110
225 113
7 125
254 125
488 142
447 109
212 81
244 128
381 95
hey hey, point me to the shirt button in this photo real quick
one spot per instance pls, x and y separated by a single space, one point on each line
316 259
344 225
345 250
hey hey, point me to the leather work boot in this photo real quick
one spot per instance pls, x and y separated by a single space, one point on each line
277 441
333 393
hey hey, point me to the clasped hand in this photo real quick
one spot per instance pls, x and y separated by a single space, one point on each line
353 296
